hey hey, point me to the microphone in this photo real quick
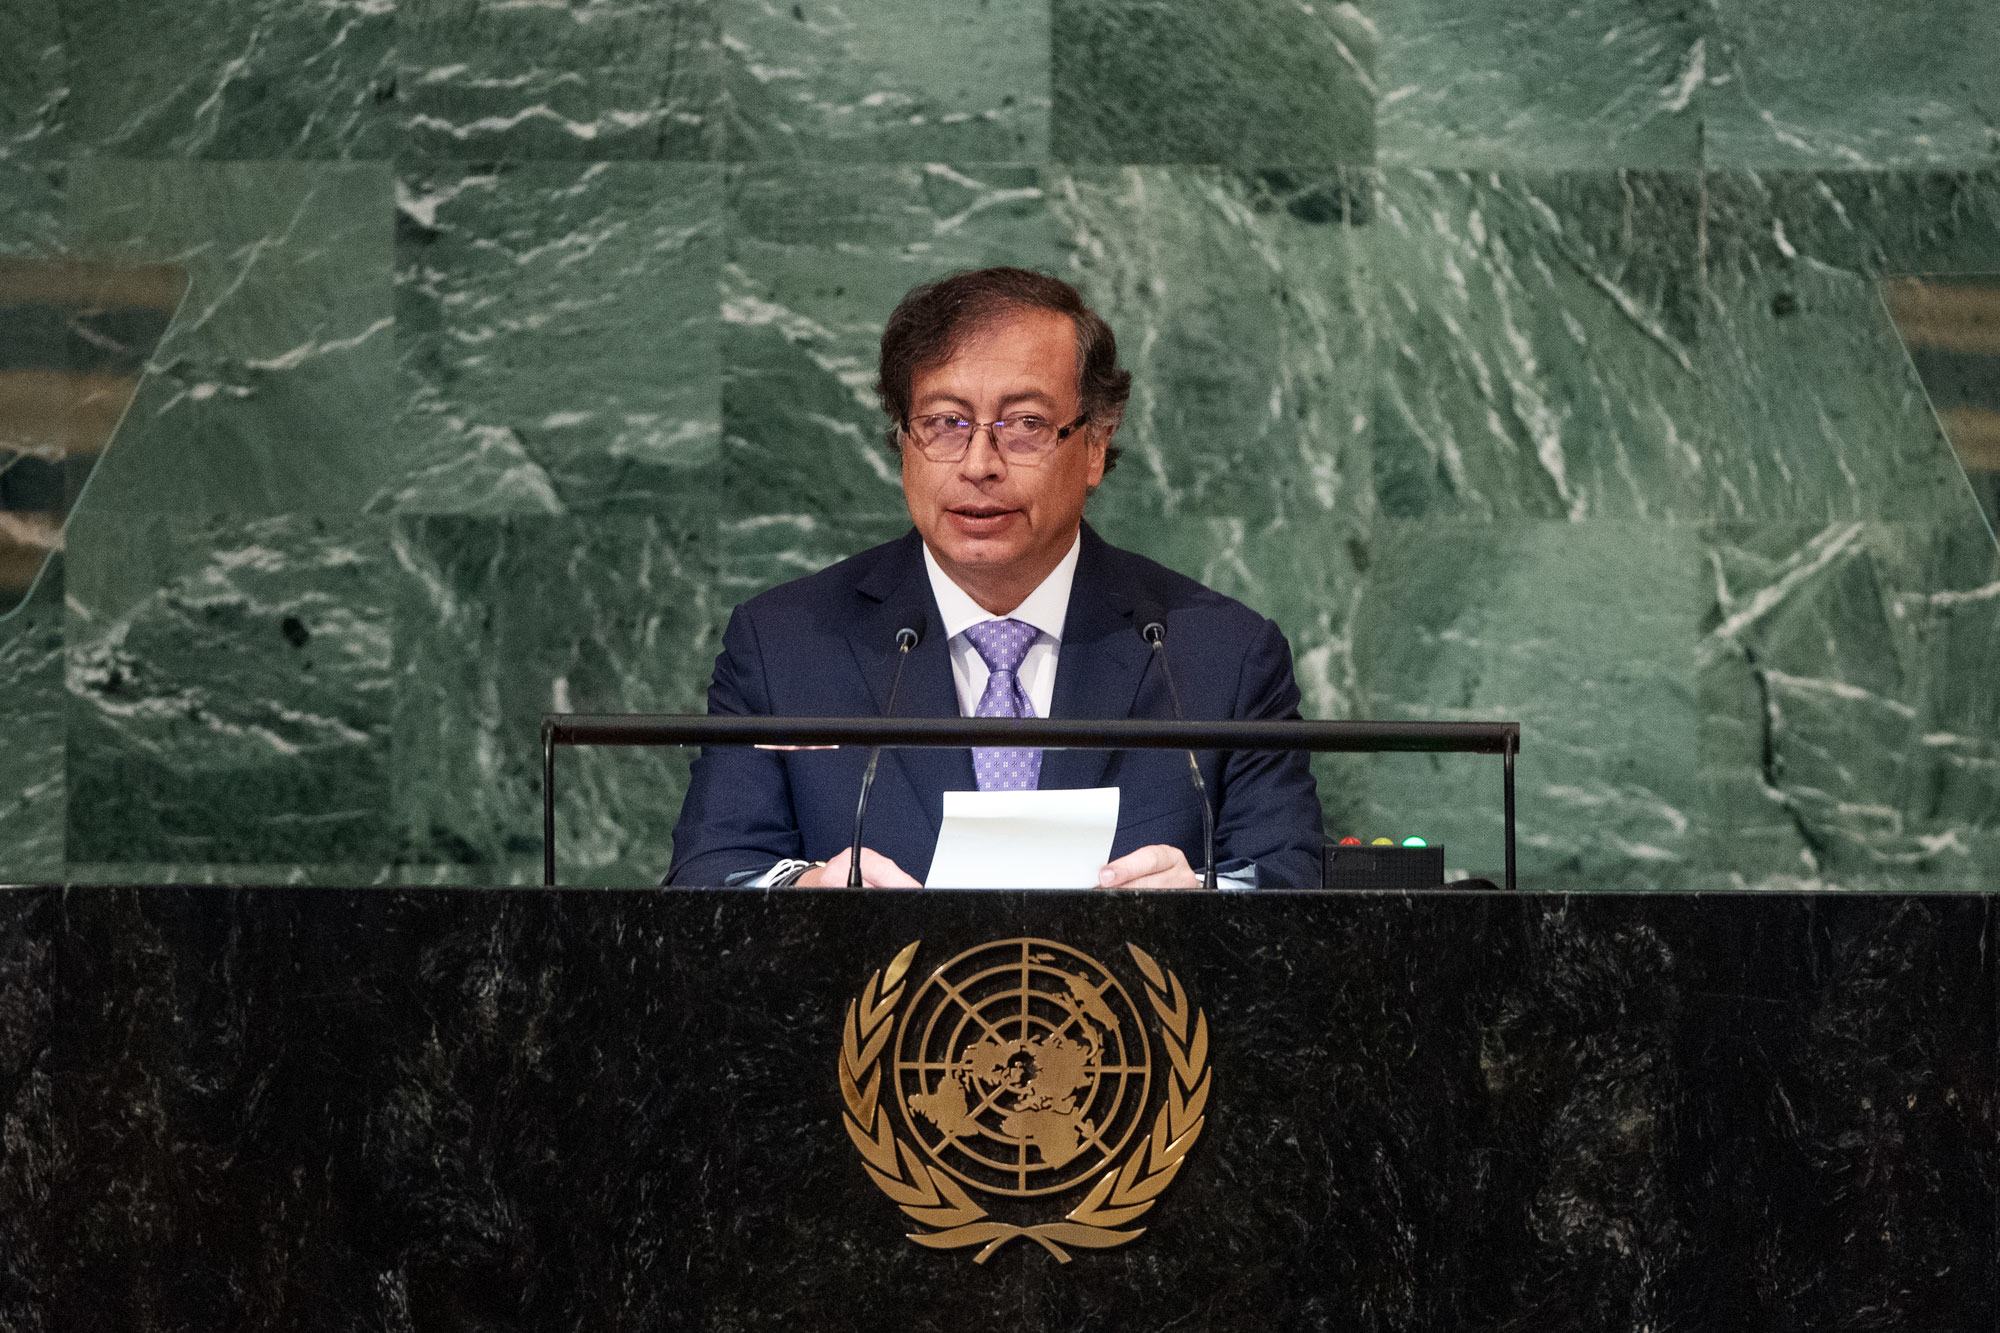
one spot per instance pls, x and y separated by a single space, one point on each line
907 638
1152 622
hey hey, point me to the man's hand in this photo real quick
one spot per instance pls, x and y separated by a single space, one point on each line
877 872
1156 867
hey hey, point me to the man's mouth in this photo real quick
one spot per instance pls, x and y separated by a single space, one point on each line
977 519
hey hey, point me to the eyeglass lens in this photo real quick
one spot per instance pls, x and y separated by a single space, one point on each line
947 434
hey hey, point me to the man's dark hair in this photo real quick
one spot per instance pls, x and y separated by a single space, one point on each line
929 325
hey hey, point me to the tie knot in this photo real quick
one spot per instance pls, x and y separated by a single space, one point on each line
1001 644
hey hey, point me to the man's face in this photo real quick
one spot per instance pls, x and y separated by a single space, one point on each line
995 526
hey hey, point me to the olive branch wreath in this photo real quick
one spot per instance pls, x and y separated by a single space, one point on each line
932 1198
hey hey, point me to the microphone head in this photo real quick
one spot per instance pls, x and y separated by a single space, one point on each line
909 636
1150 619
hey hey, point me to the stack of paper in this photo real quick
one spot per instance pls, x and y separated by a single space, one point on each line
1024 839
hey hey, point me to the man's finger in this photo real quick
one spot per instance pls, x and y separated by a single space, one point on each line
1129 866
1136 865
879 872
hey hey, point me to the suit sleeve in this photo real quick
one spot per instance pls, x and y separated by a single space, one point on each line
1268 813
738 815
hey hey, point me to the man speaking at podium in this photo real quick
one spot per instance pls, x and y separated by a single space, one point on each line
1003 391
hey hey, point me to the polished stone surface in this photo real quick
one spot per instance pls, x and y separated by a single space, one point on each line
556 331
33 789
1239 300
1535 84
1794 83
302 1109
229 692
231 79
28 918
1850 715
1539 337
1518 359
495 625
1820 415
33 80
34 202
493 79
1247 83
1582 632
889 80
267 396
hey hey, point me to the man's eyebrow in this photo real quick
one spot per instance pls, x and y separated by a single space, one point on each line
1027 395
940 396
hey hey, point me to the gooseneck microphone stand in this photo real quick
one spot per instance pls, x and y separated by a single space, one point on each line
906 639
1153 629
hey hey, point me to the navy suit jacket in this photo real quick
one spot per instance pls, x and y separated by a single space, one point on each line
825 646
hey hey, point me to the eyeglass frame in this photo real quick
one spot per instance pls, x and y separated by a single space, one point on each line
1024 460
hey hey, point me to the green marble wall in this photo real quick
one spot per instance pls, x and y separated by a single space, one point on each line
1523 359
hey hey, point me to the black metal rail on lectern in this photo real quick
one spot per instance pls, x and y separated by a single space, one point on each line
661 729
657 729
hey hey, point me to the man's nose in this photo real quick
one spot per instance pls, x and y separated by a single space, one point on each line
982 454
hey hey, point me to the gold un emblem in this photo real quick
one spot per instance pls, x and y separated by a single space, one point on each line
1020 1070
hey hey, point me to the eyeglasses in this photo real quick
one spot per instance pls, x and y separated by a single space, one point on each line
1024 438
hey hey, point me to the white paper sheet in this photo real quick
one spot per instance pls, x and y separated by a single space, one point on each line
1024 839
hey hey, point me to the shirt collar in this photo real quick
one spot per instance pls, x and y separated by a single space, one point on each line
1045 608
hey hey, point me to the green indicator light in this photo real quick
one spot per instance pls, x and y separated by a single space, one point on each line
1415 842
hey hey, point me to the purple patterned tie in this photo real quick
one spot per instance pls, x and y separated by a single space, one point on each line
1002 644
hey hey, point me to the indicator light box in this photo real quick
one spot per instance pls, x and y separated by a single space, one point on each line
1383 865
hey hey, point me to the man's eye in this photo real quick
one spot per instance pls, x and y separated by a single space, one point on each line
1029 423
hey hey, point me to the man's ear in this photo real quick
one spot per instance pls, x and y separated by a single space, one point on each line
1100 448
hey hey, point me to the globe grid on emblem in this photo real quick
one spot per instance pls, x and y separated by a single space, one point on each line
1022 1067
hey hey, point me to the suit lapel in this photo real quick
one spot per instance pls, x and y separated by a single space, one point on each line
1102 662
902 593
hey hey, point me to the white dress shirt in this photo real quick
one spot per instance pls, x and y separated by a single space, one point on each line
1045 608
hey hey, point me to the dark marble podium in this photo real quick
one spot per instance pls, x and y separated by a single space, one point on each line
454 1109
